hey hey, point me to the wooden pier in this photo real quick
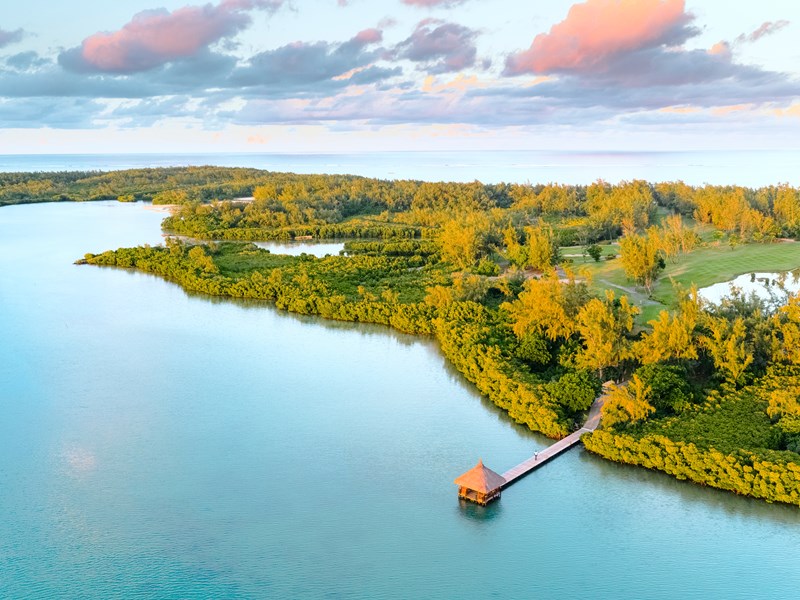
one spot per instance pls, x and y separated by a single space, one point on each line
482 485
549 453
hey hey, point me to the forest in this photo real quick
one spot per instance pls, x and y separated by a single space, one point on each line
535 293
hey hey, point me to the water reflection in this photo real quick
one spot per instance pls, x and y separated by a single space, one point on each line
475 513
318 249
366 330
79 461
774 288
697 497
251 304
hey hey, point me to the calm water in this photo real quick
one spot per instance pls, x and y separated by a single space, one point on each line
774 287
155 444
751 168
298 248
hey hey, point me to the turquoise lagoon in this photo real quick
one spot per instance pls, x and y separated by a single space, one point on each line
157 444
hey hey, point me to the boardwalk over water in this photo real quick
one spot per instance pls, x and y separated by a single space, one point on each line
549 453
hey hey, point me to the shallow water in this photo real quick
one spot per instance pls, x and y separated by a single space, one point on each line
159 444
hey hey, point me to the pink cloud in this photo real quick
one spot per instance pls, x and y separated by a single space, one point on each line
596 31
155 37
369 36
722 49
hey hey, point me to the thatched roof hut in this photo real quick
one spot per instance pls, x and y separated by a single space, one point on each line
480 484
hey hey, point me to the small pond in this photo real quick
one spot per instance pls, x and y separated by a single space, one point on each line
775 287
297 248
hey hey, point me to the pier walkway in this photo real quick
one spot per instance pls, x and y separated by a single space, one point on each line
549 453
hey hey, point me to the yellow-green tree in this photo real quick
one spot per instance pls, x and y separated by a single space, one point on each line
603 326
784 402
558 199
676 195
610 207
675 238
727 347
465 287
641 258
465 239
537 250
758 226
547 306
786 331
541 248
672 336
628 403
723 207
516 252
786 208
201 260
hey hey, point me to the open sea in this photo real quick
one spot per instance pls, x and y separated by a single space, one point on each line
749 168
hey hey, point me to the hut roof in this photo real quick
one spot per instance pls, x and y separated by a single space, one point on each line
481 479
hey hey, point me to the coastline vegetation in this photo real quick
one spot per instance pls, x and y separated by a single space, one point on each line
536 293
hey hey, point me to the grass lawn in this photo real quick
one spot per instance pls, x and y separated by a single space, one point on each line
649 313
703 267
576 252
715 264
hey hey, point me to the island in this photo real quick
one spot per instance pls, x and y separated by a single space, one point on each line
535 293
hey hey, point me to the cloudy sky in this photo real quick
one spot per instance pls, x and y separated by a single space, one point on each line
344 75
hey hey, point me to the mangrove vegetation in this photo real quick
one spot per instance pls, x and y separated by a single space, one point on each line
535 293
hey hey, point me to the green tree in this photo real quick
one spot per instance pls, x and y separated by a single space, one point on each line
533 348
669 386
594 251
575 391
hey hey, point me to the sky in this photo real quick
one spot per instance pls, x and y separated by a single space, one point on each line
381 75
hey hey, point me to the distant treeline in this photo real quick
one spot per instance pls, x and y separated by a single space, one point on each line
183 184
289 204
322 205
